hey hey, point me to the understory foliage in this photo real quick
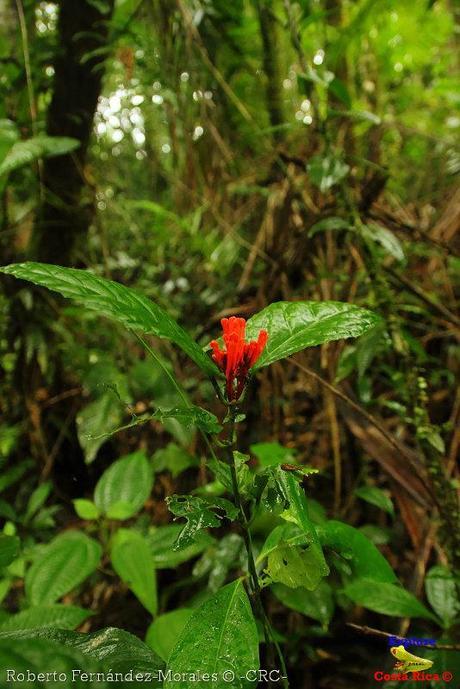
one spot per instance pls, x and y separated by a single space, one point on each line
229 342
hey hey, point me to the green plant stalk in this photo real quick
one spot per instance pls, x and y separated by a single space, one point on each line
257 598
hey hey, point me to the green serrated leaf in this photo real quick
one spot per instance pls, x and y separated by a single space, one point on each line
293 326
115 301
61 566
124 487
221 635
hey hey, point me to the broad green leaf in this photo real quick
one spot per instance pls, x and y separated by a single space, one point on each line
114 300
96 422
61 566
133 562
441 591
61 616
200 513
35 655
26 152
124 487
293 326
221 635
376 497
294 557
387 599
9 548
37 500
318 604
272 454
174 459
86 509
109 651
163 633
365 560
162 540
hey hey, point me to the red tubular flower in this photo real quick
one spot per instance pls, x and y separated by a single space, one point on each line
238 356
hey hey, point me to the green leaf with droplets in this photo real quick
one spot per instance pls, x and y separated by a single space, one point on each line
220 636
294 326
113 300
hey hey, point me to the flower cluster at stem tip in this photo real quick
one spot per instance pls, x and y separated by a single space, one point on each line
238 356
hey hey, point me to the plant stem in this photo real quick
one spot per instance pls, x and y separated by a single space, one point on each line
257 598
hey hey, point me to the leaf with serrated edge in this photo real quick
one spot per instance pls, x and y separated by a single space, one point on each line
293 326
114 300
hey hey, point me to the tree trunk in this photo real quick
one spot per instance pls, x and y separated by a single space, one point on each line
272 69
64 218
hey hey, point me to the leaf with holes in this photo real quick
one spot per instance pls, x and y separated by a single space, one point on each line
293 326
61 566
294 557
113 300
200 513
